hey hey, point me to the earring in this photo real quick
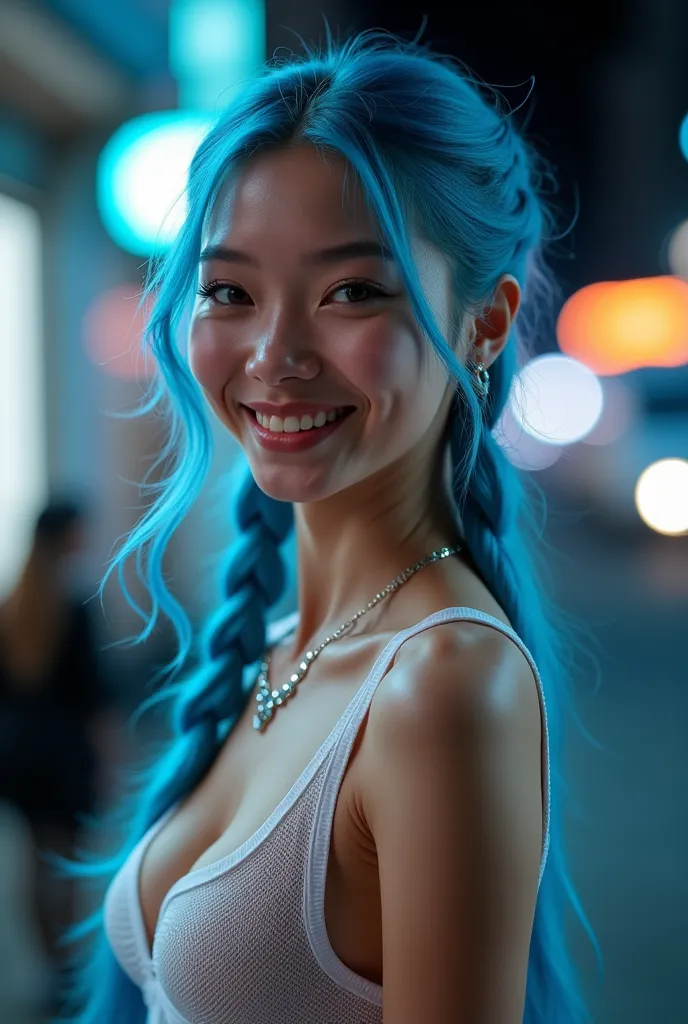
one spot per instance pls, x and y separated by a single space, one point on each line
481 381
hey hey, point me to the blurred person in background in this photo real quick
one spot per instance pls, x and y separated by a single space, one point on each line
51 701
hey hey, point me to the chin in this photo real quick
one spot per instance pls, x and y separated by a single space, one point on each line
297 485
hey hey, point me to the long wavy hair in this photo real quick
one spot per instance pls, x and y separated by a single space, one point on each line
435 151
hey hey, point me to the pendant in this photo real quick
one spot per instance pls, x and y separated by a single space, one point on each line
269 699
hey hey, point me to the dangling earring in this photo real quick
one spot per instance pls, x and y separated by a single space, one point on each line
481 381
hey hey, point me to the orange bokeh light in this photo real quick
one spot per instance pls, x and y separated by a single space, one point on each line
617 326
113 327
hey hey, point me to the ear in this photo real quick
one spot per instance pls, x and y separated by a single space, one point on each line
493 326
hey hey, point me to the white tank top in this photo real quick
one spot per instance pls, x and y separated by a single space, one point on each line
243 940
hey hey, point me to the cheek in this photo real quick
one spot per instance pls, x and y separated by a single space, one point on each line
393 367
386 357
209 354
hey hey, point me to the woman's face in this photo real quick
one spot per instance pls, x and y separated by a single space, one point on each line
298 303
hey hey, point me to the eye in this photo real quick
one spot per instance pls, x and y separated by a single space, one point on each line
224 294
356 291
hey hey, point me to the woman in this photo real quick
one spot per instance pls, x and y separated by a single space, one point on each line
352 821
50 698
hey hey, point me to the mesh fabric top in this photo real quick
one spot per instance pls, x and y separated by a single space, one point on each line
243 940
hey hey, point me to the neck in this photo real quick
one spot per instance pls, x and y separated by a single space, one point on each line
352 545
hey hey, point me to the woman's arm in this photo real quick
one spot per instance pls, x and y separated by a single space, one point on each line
453 800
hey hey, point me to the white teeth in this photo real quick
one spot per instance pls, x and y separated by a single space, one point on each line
292 424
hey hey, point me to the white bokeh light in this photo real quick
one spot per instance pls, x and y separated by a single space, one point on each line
23 476
522 449
619 412
661 496
556 399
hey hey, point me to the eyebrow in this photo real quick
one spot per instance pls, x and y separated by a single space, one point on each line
332 254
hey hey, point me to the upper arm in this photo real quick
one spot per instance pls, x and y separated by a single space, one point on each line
454 803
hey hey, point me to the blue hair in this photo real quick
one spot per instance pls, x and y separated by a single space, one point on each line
435 153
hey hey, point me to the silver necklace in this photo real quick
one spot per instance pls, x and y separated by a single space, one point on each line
269 699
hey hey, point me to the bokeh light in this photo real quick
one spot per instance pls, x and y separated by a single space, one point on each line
23 424
216 46
618 326
142 176
661 496
677 252
683 136
112 330
620 411
556 399
522 449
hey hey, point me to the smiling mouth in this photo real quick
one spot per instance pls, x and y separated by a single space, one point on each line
302 424
294 440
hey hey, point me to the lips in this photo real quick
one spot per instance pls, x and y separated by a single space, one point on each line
292 441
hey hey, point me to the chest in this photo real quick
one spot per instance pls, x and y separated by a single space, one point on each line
253 773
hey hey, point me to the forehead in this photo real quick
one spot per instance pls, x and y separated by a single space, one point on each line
297 191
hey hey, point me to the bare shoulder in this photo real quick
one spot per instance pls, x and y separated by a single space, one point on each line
452 797
457 674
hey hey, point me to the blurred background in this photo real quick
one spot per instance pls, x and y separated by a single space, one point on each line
101 107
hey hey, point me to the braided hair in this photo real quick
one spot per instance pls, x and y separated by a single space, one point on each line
433 150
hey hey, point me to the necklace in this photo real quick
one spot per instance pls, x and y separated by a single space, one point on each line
269 698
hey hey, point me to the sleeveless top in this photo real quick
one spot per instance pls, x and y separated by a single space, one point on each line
243 940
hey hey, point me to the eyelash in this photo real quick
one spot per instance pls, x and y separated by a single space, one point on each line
210 290
376 291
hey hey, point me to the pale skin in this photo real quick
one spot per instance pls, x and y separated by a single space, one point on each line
444 805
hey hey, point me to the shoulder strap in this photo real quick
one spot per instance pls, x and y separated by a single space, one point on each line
340 757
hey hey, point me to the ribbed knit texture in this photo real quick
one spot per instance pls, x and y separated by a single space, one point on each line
243 940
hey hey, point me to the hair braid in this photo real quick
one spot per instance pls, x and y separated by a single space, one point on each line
488 510
234 636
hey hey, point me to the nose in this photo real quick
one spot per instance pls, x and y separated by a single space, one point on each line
284 350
